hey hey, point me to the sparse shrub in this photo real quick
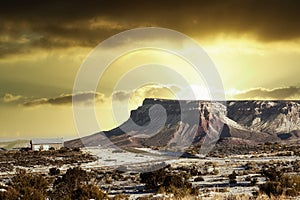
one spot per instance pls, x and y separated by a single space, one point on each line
194 172
253 181
175 180
27 193
272 187
240 173
248 178
54 171
63 150
208 163
84 192
26 186
250 165
153 179
291 183
161 190
194 191
116 175
121 197
165 182
222 190
145 197
272 174
179 193
232 178
287 184
75 182
108 180
10 194
198 179
214 164
76 149
245 173
291 192
185 175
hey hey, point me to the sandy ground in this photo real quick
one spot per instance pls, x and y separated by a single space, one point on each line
211 184
109 158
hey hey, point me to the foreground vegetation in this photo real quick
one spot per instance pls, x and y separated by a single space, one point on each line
173 183
30 159
185 179
74 184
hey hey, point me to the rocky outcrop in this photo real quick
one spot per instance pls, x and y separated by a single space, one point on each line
178 124
273 117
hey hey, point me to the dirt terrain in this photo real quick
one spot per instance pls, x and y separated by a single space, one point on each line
219 175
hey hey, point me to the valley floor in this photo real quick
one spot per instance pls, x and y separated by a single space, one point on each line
212 175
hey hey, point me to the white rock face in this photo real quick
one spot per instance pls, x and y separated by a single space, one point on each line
266 116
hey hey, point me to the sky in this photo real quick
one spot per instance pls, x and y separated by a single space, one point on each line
254 45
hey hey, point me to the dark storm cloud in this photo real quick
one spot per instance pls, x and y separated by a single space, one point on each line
52 24
66 99
276 93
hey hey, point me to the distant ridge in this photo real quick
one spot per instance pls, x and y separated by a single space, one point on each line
14 144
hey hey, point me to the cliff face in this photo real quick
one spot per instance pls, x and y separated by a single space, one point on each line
273 117
178 124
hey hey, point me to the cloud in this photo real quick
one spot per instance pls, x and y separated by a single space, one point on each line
87 98
137 96
282 93
35 24
146 92
160 91
8 98
66 99
121 95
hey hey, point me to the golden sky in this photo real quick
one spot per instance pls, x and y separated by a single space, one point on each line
255 45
